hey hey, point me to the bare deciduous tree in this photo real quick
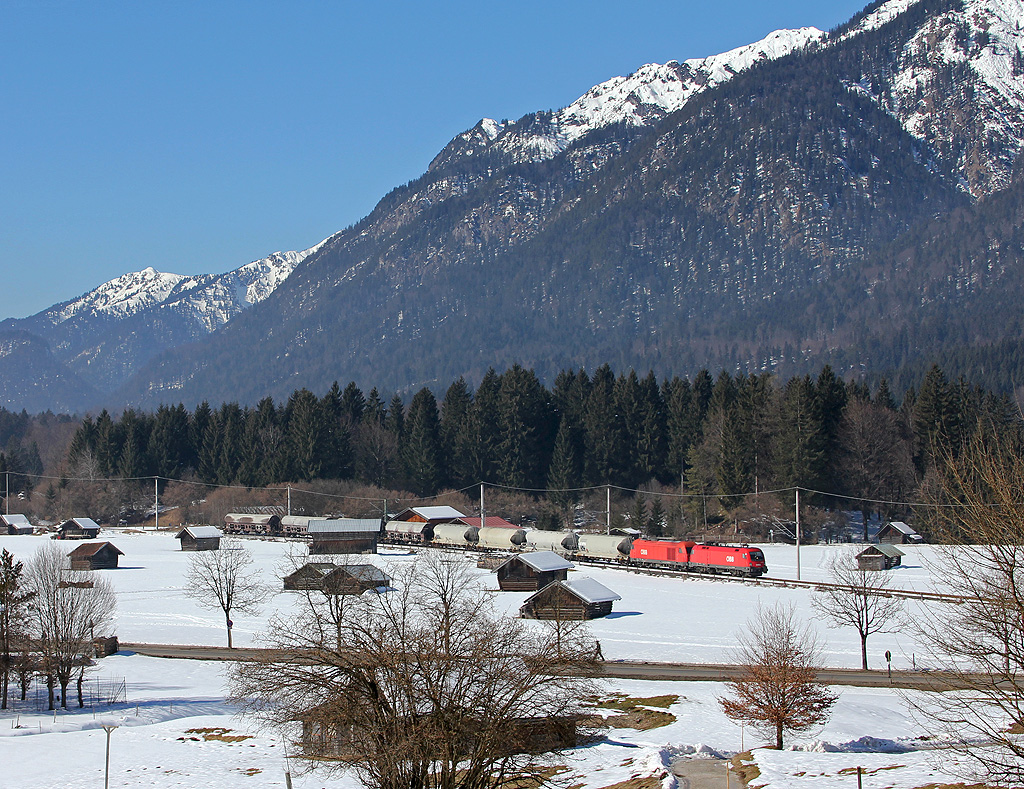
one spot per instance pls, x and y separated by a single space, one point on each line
68 608
979 643
779 690
225 579
422 686
13 601
860 599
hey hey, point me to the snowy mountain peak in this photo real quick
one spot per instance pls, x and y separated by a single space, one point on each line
649 93
121 297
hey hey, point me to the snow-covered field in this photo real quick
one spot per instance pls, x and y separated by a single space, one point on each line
669 619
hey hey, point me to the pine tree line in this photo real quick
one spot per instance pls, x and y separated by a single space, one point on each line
714 437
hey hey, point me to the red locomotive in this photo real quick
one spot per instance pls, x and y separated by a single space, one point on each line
699 558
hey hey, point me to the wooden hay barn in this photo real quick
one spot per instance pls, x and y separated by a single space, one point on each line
580 598
879 557
244 523
199 538
344 535
326 736
355 579
898 533
94 556
309 576
78 529
529 572
15 524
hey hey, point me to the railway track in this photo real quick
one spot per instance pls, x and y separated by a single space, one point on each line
907 594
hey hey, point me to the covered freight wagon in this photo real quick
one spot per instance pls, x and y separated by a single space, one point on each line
557 541
605 546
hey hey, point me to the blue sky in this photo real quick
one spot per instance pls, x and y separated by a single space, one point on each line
197 136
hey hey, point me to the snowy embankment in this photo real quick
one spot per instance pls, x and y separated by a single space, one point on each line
662 619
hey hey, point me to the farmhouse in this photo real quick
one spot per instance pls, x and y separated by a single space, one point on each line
78 529
15 524
529 572
355 579
580 598
344 535
309 576
898 533
199 538
879 557
245 523
94 556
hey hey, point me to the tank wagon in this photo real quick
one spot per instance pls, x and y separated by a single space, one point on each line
456 535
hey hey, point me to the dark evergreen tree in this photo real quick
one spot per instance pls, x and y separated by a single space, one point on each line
524 440
458 434
564 472
305 436
422 447
604 439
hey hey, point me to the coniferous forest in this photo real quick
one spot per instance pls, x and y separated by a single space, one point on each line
715 439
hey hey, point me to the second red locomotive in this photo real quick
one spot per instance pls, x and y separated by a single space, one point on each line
699 558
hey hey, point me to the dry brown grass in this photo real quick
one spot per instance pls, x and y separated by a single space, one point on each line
744 767
250 771
217 734
645 782
636 713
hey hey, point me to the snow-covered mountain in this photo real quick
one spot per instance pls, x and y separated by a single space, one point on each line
646 95
102 337
722 211
957 84
210 299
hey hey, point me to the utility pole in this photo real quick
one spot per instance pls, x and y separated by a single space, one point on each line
483 511
798 534
608 510
7 494
289 500
156 505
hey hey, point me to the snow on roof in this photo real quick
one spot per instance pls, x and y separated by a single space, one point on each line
343 525
200 532
84 523
14 520
433 513
883 548
364 572
590 591
544 561
902 528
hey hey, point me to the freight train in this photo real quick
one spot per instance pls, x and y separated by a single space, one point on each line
685 555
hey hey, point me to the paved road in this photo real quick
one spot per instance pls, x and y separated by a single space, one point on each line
618 669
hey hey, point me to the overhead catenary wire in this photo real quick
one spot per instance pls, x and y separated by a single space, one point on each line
519 489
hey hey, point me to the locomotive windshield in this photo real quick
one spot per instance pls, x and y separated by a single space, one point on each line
756 556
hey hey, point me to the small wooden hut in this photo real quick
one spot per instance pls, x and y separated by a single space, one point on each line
309 576
94 556
355 579
78 529
898 533
200 538
15 524
343 535
580 598
529 572
879 557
